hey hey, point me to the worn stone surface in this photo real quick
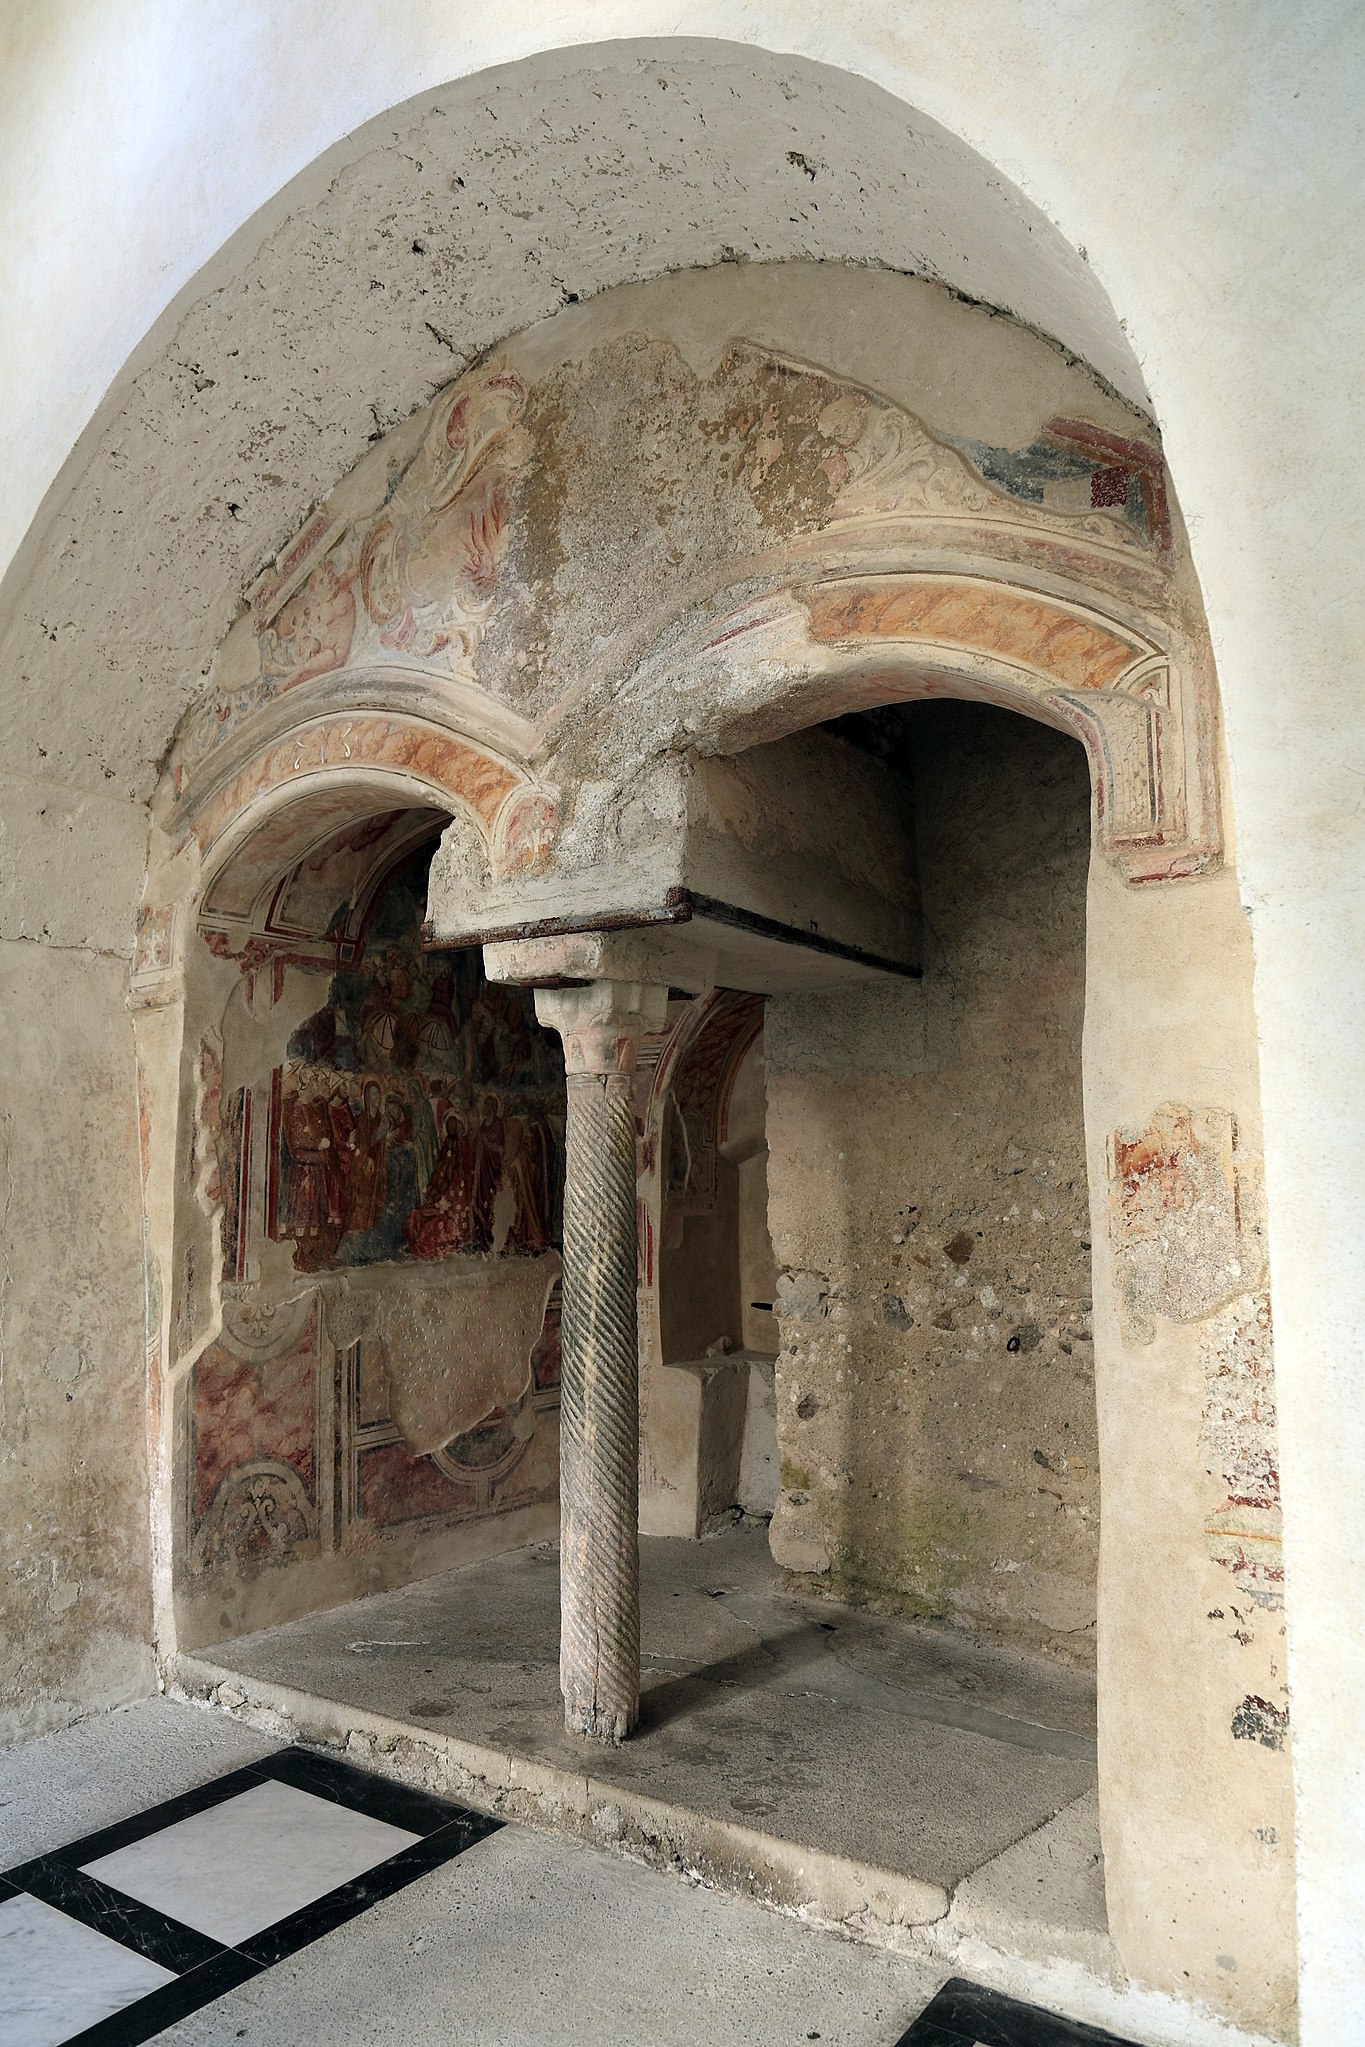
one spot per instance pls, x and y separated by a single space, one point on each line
238 390
362 1322
853 1737
112 1765
74 1513
950 551
599 1497
928 1194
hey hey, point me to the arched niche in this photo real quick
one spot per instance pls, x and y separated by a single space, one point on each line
627 555
708 1335
352 1150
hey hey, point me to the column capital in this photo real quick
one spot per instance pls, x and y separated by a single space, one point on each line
601 1022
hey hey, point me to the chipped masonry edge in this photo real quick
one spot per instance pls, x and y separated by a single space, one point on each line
876 1905
820 1890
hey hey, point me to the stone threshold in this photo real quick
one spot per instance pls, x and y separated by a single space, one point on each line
826 1889
988 1928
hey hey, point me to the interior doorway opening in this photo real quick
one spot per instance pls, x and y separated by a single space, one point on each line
710 1337
879 1194
930 1213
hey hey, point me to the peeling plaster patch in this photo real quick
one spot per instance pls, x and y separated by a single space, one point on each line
1185 1217
1258 1720
65 1363
1239 1439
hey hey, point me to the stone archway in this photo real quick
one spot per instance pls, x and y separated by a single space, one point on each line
633 572
337 1393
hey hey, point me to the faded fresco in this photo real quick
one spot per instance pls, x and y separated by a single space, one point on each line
420 1112
389 1200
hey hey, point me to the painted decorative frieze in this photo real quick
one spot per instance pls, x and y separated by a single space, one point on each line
413 585
626 553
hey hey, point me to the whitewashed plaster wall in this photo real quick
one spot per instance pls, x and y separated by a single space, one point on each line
1202 158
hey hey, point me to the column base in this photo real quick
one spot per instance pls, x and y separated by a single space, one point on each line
600 1724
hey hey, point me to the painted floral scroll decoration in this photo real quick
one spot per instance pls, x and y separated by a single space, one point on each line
312 634
810 439
524 832
416 583
429 567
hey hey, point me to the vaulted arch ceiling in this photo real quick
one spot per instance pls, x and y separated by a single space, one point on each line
646 530
456 220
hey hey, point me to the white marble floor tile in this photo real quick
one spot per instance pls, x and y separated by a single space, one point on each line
243 1865
58 1976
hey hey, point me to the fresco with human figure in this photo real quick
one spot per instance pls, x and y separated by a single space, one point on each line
419 1113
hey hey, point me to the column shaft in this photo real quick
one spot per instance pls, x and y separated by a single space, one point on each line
599 1655
599 1463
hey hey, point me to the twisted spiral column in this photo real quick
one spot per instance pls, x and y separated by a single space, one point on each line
599 1654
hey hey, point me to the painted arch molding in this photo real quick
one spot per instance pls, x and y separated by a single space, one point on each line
546 587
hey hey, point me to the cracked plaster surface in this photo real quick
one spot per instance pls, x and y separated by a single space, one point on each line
468 220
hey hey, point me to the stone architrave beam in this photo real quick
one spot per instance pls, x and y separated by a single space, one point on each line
599 1658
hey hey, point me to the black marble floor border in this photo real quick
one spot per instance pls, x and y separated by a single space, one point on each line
204 1968
308 1924
173 2001
123 1833
966 2014
168 1942
963 2014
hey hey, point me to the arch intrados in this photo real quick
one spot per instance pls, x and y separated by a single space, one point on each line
358 793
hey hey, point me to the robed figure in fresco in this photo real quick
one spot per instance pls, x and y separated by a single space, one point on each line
416 1115
445 1221
367 1147
307 1133
490 1145
526 1173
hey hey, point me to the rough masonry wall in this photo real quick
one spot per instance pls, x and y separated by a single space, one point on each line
75 1588
936 1403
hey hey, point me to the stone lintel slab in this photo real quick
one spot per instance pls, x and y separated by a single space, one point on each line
714 946
660 959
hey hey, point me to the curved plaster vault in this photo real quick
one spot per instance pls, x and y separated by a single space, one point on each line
405 254
640 537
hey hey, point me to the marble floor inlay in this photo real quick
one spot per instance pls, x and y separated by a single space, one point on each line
251 1861
109 1940
968 2015
57 1976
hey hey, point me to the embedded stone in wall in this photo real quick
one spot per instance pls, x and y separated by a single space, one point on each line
1185 1217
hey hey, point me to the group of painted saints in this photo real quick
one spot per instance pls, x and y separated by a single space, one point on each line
388 1173
420 1115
